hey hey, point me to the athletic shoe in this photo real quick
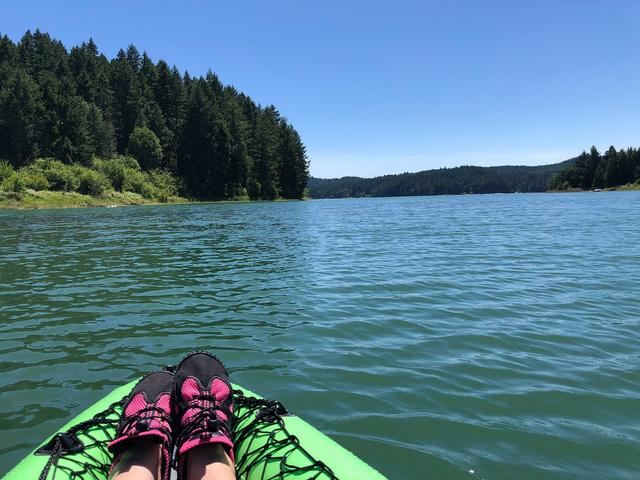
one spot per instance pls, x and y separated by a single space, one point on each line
203 406
147 418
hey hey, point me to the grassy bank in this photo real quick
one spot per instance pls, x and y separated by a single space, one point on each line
32 199
628 186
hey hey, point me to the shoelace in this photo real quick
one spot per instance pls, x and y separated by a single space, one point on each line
138 422
206 419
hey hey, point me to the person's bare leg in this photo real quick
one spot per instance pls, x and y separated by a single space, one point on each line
209 462
139 462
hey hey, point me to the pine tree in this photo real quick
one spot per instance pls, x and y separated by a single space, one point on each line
266 154
20 110
75 128
590 168
194 163
123 112
239 161
104 141
8 51
133 58
600 175
612 172
627 166
169 95
299 166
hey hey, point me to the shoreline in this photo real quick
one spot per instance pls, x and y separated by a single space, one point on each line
47 199
619 188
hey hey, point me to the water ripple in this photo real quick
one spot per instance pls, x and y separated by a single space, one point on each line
493 333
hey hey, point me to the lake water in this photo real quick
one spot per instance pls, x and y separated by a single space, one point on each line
487 336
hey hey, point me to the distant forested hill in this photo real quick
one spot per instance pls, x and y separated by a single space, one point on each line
444 181
77 106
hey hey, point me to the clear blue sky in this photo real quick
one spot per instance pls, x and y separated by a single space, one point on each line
384 87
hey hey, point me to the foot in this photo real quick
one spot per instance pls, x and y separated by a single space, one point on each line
203 406
146 419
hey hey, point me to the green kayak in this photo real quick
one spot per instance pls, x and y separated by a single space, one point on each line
270 443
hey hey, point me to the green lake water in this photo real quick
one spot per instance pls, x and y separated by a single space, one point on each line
487 336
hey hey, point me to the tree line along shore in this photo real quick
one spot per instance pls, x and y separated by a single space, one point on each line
120 180
615 169
75 122
593 170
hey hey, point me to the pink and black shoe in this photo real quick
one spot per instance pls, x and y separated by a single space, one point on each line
147 418
203 406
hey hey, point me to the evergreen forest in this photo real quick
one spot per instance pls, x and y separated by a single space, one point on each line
443 181
76 112
594 170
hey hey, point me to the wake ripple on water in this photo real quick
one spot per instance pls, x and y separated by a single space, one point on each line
497 334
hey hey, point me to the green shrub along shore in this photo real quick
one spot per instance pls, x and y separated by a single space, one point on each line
48 183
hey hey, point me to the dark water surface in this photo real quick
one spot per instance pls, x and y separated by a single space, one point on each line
433 336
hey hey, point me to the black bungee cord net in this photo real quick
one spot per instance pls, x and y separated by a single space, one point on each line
259 432
87 461
259 419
